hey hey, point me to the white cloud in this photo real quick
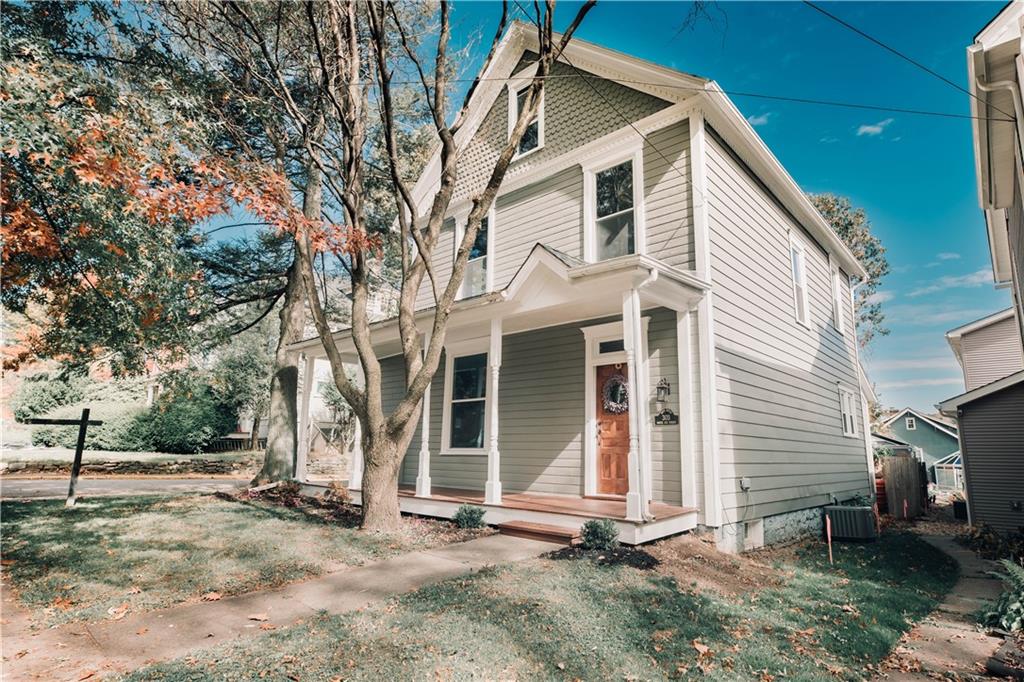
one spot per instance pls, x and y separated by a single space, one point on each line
828 139
969 281
946 255
911 383
760 119
938 362
880 297
872 129
922 314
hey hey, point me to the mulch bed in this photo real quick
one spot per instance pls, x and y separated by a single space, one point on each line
618 556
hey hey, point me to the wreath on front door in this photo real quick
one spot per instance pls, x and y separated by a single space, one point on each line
615 394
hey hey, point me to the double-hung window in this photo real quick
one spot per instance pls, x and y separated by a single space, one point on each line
798 262
479 267
465 427
847 409
837 299
614 208
518 90
910 423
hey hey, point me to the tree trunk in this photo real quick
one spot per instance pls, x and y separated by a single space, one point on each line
282 434
381 462
254 437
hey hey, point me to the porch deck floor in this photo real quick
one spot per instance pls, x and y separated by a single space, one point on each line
585 507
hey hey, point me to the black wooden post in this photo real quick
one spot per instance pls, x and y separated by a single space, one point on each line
76 466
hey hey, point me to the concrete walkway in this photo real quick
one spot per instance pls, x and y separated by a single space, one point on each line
947 644
52 488
68 652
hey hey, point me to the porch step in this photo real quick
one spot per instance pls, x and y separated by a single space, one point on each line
563 535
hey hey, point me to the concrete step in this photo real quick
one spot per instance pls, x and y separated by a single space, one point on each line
563 535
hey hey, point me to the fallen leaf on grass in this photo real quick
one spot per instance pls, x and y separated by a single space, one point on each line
62 603
119 612
267 626
258 616
6 562
86 675
134 590
211 596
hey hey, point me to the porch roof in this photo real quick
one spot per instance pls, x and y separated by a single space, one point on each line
550 287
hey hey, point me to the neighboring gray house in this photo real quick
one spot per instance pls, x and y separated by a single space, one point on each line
888 445
932 438
991 415
644 243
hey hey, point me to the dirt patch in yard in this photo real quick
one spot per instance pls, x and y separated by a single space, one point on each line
696 565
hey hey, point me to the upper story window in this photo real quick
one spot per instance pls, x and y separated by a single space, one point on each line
910 423
798 262
613 208
847 405
518 88
464 430
837 299
480 266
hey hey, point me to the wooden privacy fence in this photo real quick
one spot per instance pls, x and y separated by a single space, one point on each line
905 482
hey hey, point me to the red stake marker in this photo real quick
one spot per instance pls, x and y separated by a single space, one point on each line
904 509
828 534
878 519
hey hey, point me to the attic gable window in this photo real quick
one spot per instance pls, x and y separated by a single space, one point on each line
533 136
910 423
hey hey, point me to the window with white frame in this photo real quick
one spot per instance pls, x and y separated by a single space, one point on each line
613 208
847 408
465 425
798 261
518 90
477 279
910 423
837 299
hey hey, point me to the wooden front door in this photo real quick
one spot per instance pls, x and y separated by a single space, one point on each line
612 430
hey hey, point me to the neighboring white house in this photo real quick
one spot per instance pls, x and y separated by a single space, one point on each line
991 413
645 243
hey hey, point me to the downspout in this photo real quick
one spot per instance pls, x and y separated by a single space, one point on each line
869 453
1014 90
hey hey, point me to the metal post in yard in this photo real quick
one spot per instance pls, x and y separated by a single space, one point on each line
76 466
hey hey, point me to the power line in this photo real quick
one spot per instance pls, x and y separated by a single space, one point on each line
899 54
739 93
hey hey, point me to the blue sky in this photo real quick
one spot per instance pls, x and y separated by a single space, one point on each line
914 175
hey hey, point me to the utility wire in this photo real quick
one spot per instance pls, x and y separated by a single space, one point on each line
899 54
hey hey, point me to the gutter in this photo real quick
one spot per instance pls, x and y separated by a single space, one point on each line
1014 90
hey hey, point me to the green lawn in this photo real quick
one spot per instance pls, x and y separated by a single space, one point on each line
577 619
152 552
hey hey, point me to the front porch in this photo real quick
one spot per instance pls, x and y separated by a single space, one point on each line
560 510
518 420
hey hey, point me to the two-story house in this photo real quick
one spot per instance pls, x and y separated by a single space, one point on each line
656 326
991 413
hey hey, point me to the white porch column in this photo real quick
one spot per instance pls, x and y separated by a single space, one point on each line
492 491
423 475
636 507
302 447
355 477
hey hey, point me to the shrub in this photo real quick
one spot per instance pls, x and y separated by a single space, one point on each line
187 418
41 393
1009 611
123 428
991 544
599 534
468 516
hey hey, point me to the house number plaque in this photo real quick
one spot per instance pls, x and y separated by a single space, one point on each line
666 418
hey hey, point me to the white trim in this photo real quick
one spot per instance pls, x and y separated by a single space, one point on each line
593 166
492 489
460 230
593 335
423 483
711 513
838 312
848 411
800 289
302 449
951 405
687 445
458 350
517 84
945 428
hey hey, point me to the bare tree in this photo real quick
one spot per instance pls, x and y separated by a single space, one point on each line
329 95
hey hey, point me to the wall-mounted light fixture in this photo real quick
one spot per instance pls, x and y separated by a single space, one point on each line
664 390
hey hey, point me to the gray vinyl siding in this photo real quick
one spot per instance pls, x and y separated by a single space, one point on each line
993 440
541 415
777 381
991 353
667 194
1015 228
